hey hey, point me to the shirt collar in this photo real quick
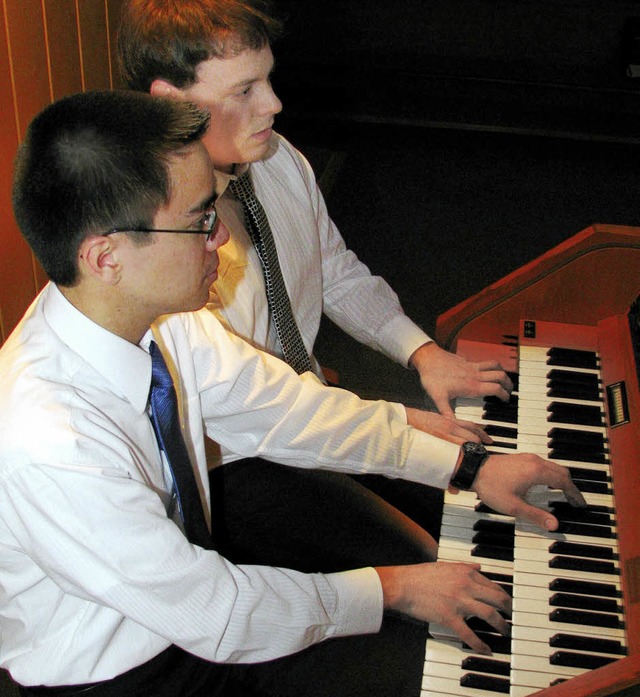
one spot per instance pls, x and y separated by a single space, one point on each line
126 366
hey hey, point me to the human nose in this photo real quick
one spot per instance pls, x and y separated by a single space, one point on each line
272 104
220 236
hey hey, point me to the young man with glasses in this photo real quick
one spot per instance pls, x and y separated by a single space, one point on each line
104 589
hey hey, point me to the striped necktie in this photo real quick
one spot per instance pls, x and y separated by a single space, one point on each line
166 424
293 348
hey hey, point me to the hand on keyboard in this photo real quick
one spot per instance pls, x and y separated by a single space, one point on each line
447 593
445 376
504 480
456 430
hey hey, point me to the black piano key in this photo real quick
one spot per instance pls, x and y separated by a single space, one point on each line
492 552
578 454
479 625
486 665
579 642
576 390
485 682
501 431
580 660
482 507
488 538
557 376
496 414
571 585
572 358
587 487
593 566
585 529
596 515
512 402
584 602
572 435
498 577
496 527
503 580
589 474
580 414
584 392
583 617
496 642
580 550
502 444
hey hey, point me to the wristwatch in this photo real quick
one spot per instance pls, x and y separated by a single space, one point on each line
473 457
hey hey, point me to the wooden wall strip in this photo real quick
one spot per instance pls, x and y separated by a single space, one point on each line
64 53
94 45
17 282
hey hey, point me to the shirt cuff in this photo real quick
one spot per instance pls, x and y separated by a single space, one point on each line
402 338
430 460
360 602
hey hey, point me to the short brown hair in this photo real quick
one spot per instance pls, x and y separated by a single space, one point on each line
168 39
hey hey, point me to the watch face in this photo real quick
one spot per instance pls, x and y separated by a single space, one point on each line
475 448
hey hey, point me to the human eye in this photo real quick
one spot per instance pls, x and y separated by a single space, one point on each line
208 219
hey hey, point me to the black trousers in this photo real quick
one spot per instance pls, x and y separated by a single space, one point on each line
319 521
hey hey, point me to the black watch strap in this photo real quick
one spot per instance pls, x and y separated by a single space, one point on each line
473 457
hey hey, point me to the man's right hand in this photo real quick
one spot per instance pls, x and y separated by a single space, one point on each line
446 593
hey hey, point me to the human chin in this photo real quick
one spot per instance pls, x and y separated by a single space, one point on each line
254 150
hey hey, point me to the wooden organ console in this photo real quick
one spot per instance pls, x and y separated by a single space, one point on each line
567 326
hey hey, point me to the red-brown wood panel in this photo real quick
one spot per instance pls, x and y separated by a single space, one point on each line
94 45
64 53
17 284
48 48
27 42
113 15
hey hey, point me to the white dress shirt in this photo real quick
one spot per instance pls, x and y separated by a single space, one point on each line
95 578
320 273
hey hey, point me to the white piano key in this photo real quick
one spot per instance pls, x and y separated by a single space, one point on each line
531 569
525 530
543 634
540 542
531 679
464 555
544 556
432 686
530 653
527 605
532 620
453 652
545 593
541 664
542 580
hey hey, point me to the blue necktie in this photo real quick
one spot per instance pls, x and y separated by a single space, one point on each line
166 424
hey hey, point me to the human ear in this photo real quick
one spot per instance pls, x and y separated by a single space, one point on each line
98 257
163 88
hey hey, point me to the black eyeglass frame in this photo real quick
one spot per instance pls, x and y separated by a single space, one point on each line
210 218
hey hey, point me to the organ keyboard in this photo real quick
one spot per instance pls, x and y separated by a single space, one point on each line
576 591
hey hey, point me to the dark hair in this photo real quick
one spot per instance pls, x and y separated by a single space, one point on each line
93 162
168 39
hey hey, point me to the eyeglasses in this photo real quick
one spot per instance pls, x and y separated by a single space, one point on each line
207 226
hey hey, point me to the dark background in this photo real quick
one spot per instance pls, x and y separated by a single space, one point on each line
457 140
